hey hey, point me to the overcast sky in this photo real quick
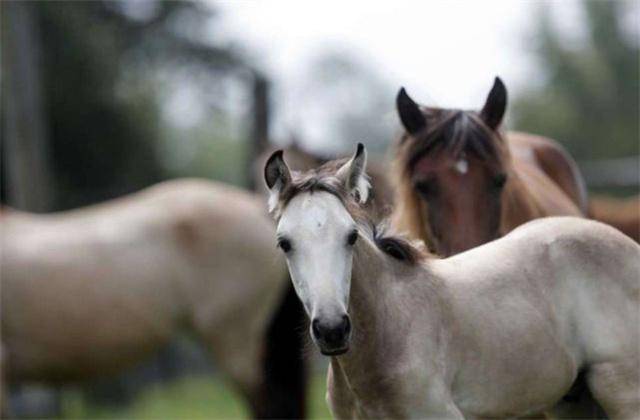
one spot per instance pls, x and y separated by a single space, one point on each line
444 52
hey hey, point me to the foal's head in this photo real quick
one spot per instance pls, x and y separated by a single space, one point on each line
317 231
452 166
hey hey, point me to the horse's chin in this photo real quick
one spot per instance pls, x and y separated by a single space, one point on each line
334 352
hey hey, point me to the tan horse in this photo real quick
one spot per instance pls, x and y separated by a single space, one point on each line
89 292
498 331
461 182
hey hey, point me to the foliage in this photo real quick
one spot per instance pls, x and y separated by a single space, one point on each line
353 98
102 63
189 398
589 97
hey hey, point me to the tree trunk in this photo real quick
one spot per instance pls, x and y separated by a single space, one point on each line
25 152
260 132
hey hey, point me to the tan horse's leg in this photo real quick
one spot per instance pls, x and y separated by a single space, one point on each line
577 404
616 386
238 356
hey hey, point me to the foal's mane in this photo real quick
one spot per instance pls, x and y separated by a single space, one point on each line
324 179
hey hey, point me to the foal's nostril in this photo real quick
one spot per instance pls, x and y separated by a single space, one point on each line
331 333
346 324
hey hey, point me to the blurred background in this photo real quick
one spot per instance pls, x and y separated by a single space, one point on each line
103 98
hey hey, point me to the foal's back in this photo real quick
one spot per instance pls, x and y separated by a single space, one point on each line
531 310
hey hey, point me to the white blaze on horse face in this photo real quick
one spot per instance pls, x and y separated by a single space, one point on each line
317 226
462 166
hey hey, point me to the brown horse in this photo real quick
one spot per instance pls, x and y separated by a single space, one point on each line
90 292
621 213
462 182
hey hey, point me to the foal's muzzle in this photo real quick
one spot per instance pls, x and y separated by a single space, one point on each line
332 336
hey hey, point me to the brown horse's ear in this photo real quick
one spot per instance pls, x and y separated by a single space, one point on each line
277 177
412 118
353 175
496 104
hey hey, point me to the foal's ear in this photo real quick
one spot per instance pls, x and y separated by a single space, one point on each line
496 104
409 112
354 176
277 176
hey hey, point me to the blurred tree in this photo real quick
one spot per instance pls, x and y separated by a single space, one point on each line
353 98
24 121
102 64
84 90
589 96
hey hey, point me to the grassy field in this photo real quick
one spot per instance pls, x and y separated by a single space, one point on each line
188 398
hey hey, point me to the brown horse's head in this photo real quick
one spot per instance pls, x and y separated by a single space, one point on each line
452 167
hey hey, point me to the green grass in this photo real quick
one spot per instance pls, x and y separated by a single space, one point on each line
188 398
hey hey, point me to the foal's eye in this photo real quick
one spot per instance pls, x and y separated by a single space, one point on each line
500 180
352 238
285 245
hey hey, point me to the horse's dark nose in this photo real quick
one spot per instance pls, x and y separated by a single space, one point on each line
332 336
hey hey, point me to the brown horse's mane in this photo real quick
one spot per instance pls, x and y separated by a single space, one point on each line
323 179
452 131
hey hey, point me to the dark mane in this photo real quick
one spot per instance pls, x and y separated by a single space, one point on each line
454 131
397 247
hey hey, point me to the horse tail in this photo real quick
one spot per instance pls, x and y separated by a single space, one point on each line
284 392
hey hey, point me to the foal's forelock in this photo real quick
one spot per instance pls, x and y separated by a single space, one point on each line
395 246
316 180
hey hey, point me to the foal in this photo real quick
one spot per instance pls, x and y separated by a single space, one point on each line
498 331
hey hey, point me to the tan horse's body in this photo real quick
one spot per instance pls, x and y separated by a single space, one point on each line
498 331
91 291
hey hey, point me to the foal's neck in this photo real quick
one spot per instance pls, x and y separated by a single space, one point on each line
380 311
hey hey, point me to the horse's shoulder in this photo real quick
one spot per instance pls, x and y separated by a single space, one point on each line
519 138
554 160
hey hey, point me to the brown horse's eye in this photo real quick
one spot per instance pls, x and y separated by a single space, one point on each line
500 180
352 238
426 188
285 245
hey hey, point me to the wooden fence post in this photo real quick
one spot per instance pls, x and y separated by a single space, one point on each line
259 140
29 180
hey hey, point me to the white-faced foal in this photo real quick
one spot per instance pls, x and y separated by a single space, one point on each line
498 331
